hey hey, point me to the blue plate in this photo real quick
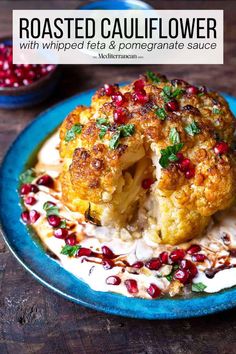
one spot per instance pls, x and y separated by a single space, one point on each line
32 256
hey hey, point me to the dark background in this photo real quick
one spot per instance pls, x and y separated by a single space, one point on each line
33 319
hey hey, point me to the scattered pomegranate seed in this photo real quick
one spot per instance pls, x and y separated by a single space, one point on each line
61 233
187 265
138 85
83 251
153 264
71 240
25 217
107 252
34 188
54 220
113 280
140 96
190 173
131 286
33 216
221 148
25 189
120 116
177 255
202 89
153 291
184 165
147 182
192 90
164 257
180 156
118 99
109 89
181 275
137 265
193 249
46 181
30 200
107 264
172 106
199 257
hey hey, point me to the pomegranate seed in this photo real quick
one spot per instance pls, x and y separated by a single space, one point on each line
107 264
138 85
33 215
61 233
131 286
120 116
202 89
25 217
199 257
71 240
221 148
107 252
31 75
193 249
180 156
172 106
45 180
153 264
19 73
25 189
153 291
164 257
30 200
182 275
147 182
140 96
184 165
190 173
83 251
137 265
109 89
185 264
113 280
192 90
118 99
27 82
177 255
34 188
54 220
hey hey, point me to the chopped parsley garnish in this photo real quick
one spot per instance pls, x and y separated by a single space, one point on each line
174 136
216 111
152 77
177 92
71 133
70 250
169 277
168 95
28 176
123 131
50 209
168 155
192 129
103 125
200 94
63 224
161 113
198 287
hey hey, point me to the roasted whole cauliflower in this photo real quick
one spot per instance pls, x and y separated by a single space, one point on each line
156 155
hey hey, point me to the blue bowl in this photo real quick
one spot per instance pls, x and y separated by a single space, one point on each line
26 96
116 5
46 270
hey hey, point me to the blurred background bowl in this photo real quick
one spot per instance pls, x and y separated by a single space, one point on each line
116 5
32 94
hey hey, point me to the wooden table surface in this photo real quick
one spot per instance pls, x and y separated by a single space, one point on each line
33 319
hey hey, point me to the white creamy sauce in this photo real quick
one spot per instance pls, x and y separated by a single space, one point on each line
128 248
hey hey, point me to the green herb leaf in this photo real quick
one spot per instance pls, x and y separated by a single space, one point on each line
174 136
169 154
177 92
50 209
169 277
161 113
103 125
63 224
102 121
71 133
152 77
70 250
198 287
200 94
192 128
126 130
216 111
28 176
114 142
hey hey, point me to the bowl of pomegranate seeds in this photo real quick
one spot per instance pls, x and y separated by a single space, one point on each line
23 85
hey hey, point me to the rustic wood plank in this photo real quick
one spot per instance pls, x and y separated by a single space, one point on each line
34 319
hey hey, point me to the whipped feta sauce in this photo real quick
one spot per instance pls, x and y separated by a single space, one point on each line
220 262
